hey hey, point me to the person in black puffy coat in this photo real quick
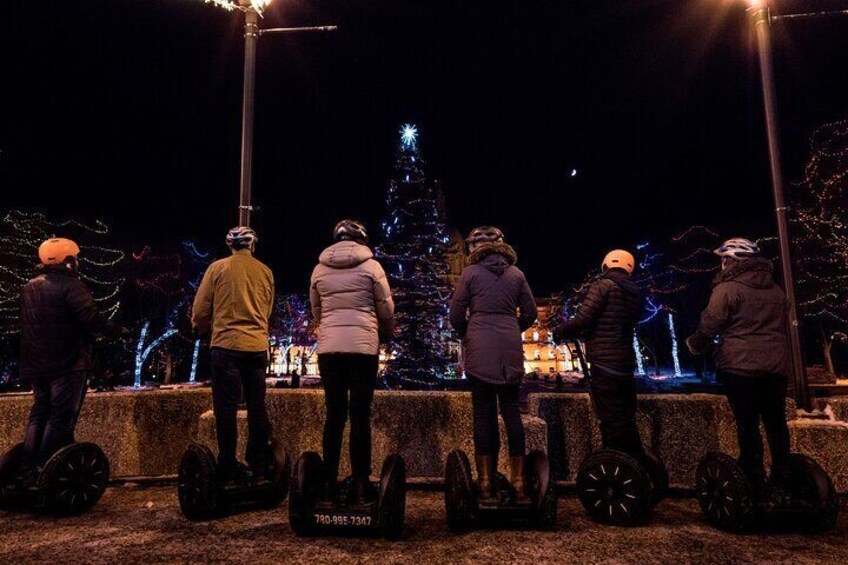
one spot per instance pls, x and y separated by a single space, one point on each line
483 312
58 318
606 320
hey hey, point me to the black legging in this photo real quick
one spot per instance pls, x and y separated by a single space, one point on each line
752 399
614 399
344 374
484 399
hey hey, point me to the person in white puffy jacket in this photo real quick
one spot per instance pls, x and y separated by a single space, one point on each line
352 303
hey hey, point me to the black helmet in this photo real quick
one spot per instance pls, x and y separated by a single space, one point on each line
350 230
484 234
241 237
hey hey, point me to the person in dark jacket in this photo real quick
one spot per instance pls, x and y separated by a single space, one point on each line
58 319
606 319
747 312
483 313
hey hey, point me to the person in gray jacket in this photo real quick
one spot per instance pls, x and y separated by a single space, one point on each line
352 303
747 312
483 312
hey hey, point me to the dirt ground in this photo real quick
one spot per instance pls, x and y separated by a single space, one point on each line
135 524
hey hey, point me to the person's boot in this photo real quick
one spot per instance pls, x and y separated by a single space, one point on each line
485 479
361 491
518 480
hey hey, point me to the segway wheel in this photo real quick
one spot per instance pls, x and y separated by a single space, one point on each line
459 491
305 489
538 472
812 488
279 473
614 488
10 470
392 505
659 477
724 492
197 483
74 479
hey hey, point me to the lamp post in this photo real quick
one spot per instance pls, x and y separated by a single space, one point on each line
758 11
252 10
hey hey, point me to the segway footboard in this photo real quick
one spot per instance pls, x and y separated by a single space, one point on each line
311 515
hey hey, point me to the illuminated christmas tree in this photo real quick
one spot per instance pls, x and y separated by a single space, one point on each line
820 236
413 255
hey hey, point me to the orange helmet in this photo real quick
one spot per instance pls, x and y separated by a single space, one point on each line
54 251
620 259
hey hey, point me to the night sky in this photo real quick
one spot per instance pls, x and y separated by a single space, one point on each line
129 110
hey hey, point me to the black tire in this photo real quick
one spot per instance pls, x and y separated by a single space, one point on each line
812 488
74 479
537 469
279 473
614 488
459 491
305 488
392 502
10 471
197 483
724 492
659 477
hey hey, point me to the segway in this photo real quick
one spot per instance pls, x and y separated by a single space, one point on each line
204 495
311 514
462 500
728 502
616 488
70 483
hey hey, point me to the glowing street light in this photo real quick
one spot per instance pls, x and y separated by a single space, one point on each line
252 10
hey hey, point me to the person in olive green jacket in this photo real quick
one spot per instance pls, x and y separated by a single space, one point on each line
232 306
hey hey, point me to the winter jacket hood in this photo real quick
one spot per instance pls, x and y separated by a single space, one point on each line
486 250
351 300
756 273
345 255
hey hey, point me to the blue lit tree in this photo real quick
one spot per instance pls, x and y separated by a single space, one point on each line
413 255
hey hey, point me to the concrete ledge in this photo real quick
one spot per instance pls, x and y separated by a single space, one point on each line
421 426
142 433
826 442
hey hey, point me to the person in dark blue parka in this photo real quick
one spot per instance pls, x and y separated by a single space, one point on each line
491 307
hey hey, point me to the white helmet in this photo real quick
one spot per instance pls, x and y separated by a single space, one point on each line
738 248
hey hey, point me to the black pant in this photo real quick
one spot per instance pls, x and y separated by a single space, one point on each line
344 374
752 399
614 398
232 373
484 401
56 406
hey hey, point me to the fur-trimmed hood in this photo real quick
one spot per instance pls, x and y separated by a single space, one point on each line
756 273
488 249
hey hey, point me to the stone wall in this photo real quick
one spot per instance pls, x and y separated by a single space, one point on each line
421 426
145 433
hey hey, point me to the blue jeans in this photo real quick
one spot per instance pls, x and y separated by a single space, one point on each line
57 402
